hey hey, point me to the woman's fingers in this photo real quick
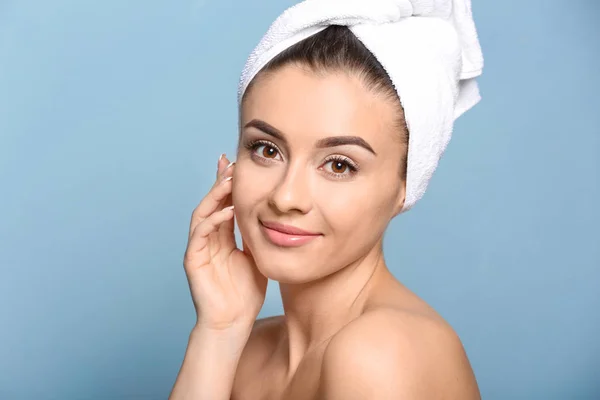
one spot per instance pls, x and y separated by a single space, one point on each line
226 230
221 164
226 233
213 200
210 203
199 239
211 224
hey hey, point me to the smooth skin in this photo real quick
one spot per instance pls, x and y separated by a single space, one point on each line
350 329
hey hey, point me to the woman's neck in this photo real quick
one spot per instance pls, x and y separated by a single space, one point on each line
317 310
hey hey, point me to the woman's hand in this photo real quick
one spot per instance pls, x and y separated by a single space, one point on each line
227 289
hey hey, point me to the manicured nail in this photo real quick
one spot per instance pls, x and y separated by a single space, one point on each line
229 165
221 156
228 208
227 179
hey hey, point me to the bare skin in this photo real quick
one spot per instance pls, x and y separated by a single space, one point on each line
392 319
350 330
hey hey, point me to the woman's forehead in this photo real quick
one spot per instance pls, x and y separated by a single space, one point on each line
311 106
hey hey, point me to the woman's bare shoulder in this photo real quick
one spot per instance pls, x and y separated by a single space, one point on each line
389 352
267 329
261 343
263 338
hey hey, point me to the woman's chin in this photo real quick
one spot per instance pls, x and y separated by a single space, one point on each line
283 271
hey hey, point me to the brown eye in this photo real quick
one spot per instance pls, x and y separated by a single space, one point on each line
264 150
338 167
269 152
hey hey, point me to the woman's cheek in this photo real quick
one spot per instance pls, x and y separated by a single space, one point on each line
245 187
236 190
337 197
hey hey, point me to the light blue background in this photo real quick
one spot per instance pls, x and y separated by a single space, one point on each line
113 114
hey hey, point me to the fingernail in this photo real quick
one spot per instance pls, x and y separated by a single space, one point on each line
227 179
228 208
230 164
221 156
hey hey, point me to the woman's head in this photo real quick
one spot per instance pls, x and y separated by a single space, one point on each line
323 148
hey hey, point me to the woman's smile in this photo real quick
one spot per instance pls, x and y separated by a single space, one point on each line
286 235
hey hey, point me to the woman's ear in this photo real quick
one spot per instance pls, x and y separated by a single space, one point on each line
400 199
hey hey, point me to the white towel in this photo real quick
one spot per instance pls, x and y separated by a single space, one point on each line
429 48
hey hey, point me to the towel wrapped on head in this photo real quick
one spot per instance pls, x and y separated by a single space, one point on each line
429 48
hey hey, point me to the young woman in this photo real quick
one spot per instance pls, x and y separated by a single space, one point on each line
319 174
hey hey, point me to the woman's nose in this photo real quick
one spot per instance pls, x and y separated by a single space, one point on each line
292 192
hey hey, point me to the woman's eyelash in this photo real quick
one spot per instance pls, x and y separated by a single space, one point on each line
344 160
352 166
255 144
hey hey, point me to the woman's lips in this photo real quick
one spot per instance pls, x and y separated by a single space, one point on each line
286 235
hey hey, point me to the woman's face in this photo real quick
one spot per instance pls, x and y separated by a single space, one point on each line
320 154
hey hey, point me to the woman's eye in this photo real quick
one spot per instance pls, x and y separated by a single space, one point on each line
338 167
267 151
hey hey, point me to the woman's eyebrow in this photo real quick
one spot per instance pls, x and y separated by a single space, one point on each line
266 128
322 143
344 140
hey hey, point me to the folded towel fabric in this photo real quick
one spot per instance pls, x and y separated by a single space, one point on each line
429 48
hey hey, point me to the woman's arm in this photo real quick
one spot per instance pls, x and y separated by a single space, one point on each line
228 292
209 364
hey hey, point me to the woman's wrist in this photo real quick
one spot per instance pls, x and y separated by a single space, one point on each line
230 330
232 339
